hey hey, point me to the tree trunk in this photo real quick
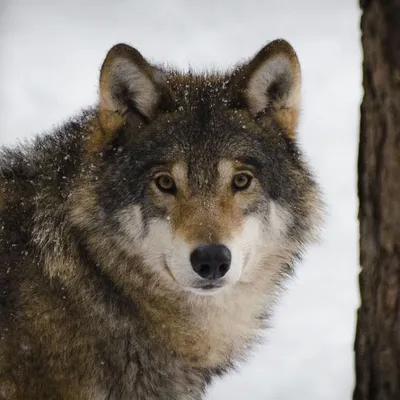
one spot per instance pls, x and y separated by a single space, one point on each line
377 343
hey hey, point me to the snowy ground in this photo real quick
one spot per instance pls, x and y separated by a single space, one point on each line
50 55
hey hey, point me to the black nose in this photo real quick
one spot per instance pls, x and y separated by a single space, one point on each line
212 261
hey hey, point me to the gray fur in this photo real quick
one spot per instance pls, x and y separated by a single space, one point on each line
87 309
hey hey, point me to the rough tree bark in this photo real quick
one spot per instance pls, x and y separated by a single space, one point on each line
377 344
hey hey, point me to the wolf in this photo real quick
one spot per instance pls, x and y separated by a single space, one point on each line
143 242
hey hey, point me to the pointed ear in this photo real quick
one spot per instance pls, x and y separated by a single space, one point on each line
128 81
128 85
271 82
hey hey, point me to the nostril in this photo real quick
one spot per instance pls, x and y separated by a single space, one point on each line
204 270
223 269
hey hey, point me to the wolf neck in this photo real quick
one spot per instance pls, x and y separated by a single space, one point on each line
206 332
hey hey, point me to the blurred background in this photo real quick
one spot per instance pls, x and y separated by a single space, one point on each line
51 52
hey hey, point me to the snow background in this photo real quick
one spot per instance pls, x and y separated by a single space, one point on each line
51 52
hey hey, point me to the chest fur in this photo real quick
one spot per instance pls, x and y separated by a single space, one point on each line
214 332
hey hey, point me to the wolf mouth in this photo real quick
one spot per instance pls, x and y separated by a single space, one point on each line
209 286
169 271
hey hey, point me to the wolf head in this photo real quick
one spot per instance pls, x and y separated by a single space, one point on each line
200 175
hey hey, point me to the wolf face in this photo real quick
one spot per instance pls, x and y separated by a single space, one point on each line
201 177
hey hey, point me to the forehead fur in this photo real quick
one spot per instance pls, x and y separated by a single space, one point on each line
192 88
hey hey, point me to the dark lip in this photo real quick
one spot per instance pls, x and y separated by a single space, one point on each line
209 286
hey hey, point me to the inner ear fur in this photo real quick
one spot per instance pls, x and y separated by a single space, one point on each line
270 84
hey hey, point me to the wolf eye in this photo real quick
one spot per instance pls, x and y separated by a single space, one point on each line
165 183
241 181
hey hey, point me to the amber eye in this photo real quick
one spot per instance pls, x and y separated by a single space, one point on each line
165 183
241 181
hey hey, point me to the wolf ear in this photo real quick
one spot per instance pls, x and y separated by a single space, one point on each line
271 82
128 81
128 84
